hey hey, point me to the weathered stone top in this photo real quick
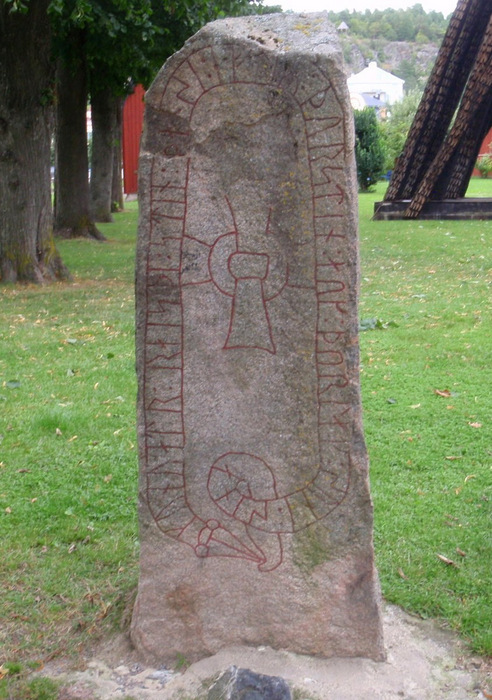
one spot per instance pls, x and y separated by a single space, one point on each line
305 35
298 33
298 55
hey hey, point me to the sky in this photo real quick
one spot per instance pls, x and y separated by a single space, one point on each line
444 6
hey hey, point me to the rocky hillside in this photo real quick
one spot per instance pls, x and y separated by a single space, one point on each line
411 61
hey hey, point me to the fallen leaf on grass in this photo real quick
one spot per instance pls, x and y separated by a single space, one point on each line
8 509
402 574
460 552
452 457
96 600
444 392
475 425
448 562
372 324
58 432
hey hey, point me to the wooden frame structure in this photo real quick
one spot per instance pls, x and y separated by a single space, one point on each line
431 176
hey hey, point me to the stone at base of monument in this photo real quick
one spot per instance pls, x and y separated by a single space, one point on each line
243 684
467 208
255 513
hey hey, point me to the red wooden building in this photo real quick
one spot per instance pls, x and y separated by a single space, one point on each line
133 113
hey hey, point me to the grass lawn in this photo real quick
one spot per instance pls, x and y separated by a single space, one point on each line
426 386
68 458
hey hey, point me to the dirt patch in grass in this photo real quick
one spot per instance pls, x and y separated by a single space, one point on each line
424 662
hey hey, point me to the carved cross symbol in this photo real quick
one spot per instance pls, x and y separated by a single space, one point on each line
252 275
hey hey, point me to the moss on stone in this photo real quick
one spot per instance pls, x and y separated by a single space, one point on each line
310 548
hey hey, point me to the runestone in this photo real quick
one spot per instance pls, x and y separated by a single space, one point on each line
255 512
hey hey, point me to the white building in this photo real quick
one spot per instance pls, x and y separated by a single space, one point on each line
375 83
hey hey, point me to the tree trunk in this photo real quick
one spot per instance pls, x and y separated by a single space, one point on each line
27 249
72 211
117 201
103 108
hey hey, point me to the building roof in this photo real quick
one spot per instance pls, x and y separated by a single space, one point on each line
374 76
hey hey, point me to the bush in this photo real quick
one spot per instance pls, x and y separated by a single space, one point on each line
369 149
484 165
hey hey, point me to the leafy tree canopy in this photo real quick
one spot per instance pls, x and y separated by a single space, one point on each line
128 40
412 24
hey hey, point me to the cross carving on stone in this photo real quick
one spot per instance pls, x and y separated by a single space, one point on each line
252 278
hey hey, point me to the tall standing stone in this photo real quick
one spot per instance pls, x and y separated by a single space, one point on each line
255 514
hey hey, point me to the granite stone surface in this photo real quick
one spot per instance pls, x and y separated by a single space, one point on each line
255 512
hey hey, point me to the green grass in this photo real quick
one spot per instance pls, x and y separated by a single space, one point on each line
428 407
68 458
17 685
68 463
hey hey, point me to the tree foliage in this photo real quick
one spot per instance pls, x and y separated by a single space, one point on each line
412 24
414 76
369 148
128 40
395 128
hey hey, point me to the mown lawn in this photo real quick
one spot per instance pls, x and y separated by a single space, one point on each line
68 458
426 383
68 463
